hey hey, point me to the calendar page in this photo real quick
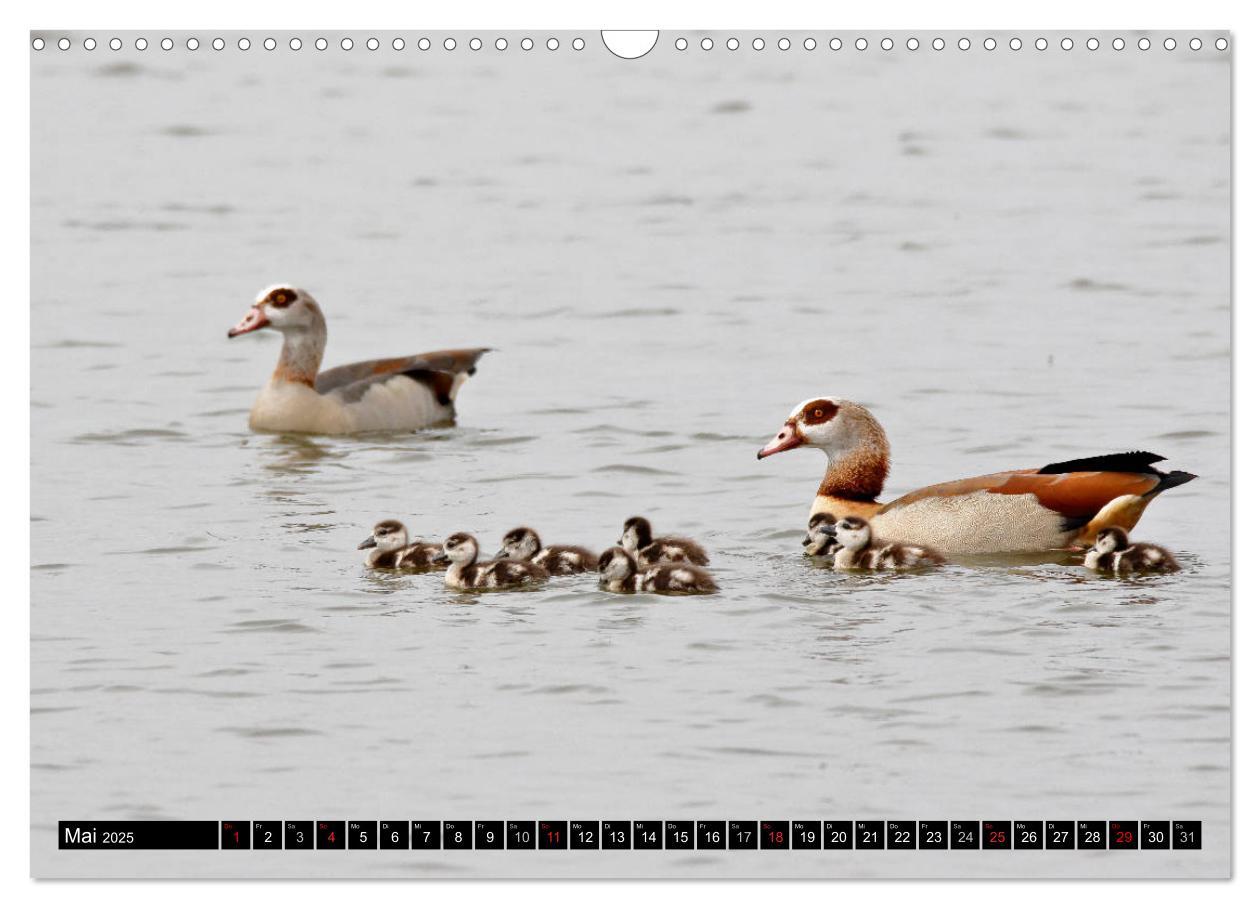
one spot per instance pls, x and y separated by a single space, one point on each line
682 454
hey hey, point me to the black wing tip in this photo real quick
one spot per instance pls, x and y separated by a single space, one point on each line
1174 478
1071 524
1128 462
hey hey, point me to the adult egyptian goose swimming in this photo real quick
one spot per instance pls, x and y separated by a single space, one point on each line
1032 510
410 392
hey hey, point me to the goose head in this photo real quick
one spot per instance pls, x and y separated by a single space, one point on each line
520 544
282 308
615 565
816 534
1111 539
636 533
852 533
388 536
458 549
837 426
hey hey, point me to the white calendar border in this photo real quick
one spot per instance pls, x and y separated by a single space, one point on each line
584 14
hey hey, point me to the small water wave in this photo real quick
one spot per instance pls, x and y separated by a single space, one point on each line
130 437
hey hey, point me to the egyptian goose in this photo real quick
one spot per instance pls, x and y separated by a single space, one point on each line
818 541
409 392
524 544
1113 552
460 552
637 539
858 551
619 572
1057 506
392 549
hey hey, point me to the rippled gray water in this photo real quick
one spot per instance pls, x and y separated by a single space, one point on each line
1010 259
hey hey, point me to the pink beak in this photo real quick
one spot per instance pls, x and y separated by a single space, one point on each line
253 320
787 439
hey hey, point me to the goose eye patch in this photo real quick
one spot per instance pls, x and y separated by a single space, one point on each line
281 298
819 411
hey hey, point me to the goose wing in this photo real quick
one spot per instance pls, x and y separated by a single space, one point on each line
437 370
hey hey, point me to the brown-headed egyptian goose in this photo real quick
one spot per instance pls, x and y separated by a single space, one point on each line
818 541
524 544
1113 553
1031 510
619 572
409 392
856 550
465 573
392 549
636 538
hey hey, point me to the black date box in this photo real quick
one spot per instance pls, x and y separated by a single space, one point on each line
234 835
330 834
838 834
806 834
1187 834
1091 834
268 834
584 835
900 835
488 835
964 835
361 834
774 834
680 834
522 835
1029 834
868 834
1156 834
299 835
995 834
553 835
649 834
1122 835
741 835
426 835
615 835
457 835
393 834
933 835
1060 834
711 835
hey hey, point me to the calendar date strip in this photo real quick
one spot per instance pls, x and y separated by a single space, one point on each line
631 835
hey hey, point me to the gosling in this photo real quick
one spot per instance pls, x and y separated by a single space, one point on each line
465 573
858 551
524 544
1113 553
392 549
816 542
620 573
637 540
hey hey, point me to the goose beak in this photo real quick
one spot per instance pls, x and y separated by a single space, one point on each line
368 543
787 439
254 319
442 559
828 530
500 555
